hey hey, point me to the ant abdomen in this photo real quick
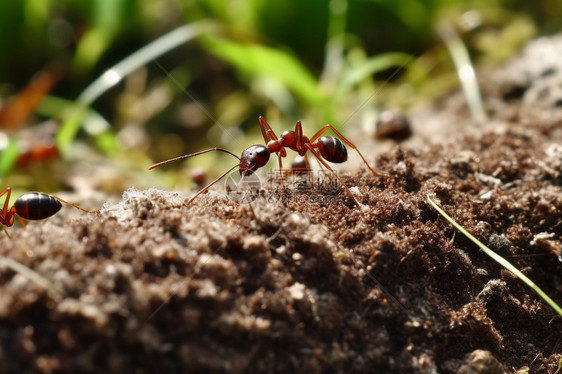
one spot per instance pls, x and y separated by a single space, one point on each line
37 206
33 206
332 149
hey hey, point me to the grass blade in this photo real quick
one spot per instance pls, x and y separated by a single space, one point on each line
502 261
125 67
258 60
465 70
9 157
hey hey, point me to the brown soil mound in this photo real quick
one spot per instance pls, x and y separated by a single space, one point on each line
311 283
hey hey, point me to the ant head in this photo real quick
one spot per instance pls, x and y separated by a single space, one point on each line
253 158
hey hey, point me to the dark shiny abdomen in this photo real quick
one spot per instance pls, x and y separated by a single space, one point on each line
333 149
36 206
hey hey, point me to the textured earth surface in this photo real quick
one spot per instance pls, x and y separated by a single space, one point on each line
310 282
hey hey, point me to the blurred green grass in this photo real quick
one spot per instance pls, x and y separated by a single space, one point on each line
313 60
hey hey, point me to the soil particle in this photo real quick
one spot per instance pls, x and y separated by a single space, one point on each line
481 362
306 282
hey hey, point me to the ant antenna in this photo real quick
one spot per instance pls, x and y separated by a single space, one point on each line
197 154
192 155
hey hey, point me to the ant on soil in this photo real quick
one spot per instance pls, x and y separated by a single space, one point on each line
324 148
33 206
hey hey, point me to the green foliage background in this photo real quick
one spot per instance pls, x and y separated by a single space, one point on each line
315 60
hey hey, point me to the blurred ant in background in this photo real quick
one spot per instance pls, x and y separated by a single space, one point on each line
392 125
37 143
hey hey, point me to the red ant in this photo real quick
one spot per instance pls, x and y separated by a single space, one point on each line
32 206
327 148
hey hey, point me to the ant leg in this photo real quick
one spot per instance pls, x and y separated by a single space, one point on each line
7 191
269 135
266 130
7 216
76 206
281 175
330 127
319 158
299 137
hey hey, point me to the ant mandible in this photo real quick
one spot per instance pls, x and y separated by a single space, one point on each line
32 206
324 148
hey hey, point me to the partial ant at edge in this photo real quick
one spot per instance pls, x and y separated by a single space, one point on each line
32 206
324 148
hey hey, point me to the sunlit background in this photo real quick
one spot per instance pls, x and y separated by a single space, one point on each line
93 92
